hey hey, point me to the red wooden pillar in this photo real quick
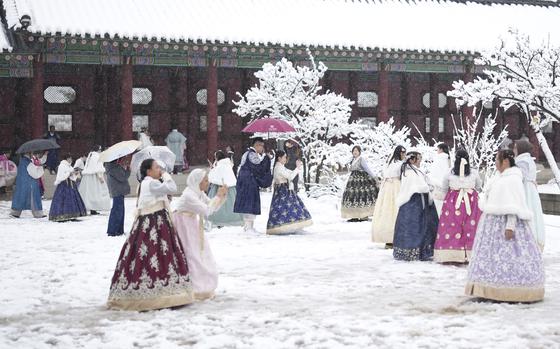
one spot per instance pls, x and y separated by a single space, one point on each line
383 93
434 106
212 104
126 100
37 111
468 77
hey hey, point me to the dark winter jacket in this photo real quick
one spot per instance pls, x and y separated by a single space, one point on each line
117 179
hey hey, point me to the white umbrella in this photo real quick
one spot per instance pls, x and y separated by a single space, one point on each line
162 154
119 150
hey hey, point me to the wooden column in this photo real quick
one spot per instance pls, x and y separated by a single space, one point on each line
126 100
434 106
404 100
37 112
383 93
212 104
468 111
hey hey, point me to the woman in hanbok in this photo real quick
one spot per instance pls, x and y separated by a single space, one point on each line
144 138
358 200
439 169
118 172
189 213
506 263
385 211
8 173
67 204
152 270
93 187
287 211
230 153
222 174
526 164
460 214
27 194
417 220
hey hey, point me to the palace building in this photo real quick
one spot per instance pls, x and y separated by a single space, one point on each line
99 70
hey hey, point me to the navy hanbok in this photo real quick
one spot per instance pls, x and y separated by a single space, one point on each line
27 194
52 155
254 173
67 204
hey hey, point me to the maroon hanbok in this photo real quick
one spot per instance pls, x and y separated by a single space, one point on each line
152 271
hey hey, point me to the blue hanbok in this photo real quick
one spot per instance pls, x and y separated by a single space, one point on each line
67 204
27 194
287 211
254 173
417 220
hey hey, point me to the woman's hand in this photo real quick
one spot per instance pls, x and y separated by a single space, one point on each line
510 235
222 191
299 164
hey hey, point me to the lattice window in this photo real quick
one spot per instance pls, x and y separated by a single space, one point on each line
59 94
204 123
441 125
428 124
548 128
442 100
141 95
202 97
61 122
367 99
488 105
139 122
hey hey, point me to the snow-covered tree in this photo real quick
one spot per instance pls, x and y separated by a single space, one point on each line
482 142
523 75
294 94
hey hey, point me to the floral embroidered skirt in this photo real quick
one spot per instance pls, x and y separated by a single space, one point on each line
358 200
505 270
287 212
152 270
67 204
385 212
457 229
415 230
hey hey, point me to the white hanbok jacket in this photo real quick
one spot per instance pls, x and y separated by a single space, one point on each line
222 173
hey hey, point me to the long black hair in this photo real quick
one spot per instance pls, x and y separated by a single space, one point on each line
410 158
144 167
444 148
358 148
278 155
461 154
397 154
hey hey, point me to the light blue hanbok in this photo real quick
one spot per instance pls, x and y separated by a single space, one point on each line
528 167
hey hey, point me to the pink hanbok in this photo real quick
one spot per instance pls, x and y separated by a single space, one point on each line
189 213
459 218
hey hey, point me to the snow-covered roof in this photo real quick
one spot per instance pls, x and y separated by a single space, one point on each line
443 25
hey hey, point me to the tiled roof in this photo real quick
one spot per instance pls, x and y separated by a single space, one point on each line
444 25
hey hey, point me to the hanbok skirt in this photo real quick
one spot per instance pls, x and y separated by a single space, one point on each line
456 229
505 270
66 203
94 193
202 267
537 223
385 212
152 270
358 200
415 229
287 212
225 215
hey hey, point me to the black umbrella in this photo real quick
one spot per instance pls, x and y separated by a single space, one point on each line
37 145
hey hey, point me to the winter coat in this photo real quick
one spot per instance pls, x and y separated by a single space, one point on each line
117 179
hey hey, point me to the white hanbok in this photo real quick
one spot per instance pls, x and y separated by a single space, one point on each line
440 168
93 187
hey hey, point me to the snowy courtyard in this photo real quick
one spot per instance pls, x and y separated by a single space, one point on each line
329 287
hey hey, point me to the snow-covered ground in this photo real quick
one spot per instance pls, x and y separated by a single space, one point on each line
328 288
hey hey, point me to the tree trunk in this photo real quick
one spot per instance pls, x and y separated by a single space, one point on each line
306 172
548 153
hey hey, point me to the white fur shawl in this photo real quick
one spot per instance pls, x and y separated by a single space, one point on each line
65 171
222 173
505 195
411 182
